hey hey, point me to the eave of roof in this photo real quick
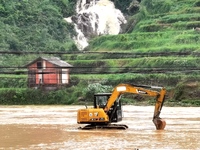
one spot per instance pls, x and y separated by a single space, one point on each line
54 60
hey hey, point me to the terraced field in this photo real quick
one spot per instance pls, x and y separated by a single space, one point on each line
165 43
162 49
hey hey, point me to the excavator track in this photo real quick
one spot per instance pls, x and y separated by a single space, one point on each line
109 126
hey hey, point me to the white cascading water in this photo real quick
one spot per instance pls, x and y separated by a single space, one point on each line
93 18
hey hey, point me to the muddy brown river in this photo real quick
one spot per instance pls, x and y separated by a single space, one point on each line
55 128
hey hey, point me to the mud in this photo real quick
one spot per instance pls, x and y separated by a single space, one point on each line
55 127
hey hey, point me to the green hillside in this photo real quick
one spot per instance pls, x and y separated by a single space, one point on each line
162 49
166 40
34 25
160 46
170 31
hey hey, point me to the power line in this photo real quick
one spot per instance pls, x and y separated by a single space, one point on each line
102 71
102 52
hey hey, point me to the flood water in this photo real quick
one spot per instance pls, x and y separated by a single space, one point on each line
55 127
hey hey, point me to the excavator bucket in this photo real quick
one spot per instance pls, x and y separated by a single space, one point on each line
159 123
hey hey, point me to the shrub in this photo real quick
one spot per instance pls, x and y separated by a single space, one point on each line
197 3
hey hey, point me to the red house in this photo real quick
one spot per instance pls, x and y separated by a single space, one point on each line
48 73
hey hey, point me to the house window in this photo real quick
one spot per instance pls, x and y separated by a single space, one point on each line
39 65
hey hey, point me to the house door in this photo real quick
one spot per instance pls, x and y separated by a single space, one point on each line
40 77
65 76
31 78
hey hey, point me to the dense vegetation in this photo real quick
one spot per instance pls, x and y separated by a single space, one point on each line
34 25
159 46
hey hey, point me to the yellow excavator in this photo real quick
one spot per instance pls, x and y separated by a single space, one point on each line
107 107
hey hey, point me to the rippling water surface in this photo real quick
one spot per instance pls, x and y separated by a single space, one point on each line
55 127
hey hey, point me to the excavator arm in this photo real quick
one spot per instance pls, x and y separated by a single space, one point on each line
141 90
159 123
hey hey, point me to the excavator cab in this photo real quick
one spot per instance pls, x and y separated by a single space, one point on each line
115 112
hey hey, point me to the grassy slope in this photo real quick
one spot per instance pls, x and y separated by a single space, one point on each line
162 50
162 47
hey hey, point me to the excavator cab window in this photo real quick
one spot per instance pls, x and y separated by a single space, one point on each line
115 112
100 99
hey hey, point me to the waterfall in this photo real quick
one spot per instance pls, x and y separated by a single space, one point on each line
94 18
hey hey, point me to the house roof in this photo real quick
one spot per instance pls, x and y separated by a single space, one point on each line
54 60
